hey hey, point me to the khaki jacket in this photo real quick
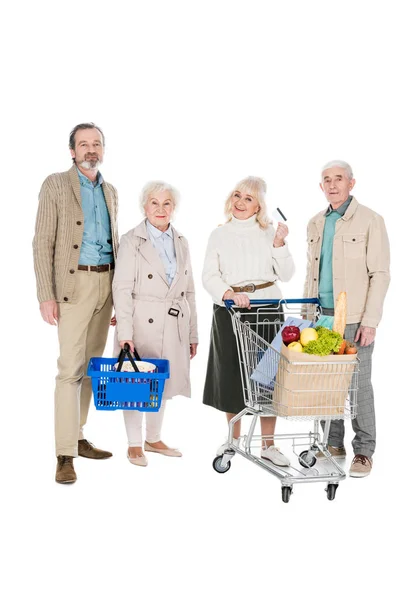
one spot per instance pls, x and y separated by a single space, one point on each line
142 299
360 262
59 233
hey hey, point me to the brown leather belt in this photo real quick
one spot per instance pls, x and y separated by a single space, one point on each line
97 268
250 287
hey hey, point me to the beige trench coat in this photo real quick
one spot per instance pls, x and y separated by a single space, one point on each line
142 299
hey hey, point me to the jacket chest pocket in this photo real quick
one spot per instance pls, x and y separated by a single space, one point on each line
313 245
354 245
312 240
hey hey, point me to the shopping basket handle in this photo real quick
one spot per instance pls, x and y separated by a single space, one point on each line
125 351
230 303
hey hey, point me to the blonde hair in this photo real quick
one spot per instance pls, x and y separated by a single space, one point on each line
152 187
257 188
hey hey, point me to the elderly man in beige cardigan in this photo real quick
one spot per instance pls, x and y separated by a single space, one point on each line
74 247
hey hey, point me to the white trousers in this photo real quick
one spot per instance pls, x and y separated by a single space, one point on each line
133 424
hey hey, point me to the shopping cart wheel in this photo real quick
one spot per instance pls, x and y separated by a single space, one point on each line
331 490
307 459
217 464
286 493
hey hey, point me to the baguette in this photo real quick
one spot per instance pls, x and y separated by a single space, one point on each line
339 322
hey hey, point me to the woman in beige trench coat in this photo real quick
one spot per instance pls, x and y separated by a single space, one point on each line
155 308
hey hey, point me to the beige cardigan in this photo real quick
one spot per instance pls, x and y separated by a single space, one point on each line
59 232
361 260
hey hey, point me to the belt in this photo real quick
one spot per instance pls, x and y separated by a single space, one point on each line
97 268
251 287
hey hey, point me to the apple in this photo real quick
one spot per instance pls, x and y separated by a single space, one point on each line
290 333
308 335
295 347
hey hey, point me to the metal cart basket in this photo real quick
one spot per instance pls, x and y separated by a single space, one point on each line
313 388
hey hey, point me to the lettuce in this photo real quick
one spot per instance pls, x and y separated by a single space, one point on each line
328 342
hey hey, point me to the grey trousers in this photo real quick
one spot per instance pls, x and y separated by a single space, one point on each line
364 441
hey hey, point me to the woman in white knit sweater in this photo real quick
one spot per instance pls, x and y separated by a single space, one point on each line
246 251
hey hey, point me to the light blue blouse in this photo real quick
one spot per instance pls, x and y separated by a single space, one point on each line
163 242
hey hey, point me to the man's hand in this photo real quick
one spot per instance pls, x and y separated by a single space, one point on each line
113 321
193 350
280 235
366 335
49 311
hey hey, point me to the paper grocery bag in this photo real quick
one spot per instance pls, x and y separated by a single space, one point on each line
312 386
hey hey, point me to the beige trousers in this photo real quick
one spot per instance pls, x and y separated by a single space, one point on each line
82 332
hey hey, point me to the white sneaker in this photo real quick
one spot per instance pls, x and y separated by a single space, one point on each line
225 446
273 454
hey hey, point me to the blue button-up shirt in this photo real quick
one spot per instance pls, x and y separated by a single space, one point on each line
96 246
163 242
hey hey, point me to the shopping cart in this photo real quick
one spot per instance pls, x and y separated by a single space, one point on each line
273 385
114 389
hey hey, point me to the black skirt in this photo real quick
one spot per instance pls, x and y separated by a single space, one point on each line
223 386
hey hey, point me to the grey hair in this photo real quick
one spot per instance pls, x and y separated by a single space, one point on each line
78 128
341 164
153 187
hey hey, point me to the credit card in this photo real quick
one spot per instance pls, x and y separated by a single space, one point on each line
278 215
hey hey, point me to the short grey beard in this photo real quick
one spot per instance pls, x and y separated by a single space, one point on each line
86 164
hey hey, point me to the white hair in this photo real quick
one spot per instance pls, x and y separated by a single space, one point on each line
153 187
341 164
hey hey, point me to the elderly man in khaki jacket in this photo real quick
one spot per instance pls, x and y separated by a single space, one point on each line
74 249
348 250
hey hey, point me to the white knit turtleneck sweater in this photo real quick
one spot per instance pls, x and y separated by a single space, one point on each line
240 252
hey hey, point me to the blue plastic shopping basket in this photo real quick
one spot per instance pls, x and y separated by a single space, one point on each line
113 389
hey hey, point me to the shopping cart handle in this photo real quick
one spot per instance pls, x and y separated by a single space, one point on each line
230 303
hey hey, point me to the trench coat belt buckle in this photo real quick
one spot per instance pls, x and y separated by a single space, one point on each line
178 312
251 287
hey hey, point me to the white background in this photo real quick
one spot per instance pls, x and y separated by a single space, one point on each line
200 94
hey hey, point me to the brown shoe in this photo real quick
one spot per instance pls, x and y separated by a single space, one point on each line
87 450
335 451
361 466
65 472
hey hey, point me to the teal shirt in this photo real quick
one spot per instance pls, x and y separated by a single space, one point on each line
96 246
325 266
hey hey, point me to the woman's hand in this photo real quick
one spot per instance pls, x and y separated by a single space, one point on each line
193 350
281 232
130 344
113 321
241 300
